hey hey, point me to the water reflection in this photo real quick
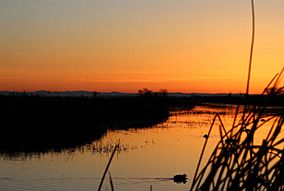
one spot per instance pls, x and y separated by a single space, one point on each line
150 156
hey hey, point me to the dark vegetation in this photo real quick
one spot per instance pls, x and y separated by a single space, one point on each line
271 100
35 123
238 161
274 103
40 123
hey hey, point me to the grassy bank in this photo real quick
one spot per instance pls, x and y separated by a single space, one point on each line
41 123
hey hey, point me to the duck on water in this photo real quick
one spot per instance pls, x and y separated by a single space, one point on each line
180 178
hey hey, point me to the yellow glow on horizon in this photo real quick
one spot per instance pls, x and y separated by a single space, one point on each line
190 46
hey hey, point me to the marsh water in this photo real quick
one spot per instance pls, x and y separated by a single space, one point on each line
150 156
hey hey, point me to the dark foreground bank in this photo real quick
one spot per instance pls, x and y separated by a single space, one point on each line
40 123
35 123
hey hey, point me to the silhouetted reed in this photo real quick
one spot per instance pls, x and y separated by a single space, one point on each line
238 162
106 170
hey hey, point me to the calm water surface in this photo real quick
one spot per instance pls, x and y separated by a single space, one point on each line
147 157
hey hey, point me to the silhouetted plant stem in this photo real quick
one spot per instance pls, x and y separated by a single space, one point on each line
252 46
111 182
203 149
250 58
107 167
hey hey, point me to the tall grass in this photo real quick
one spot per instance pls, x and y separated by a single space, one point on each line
238 161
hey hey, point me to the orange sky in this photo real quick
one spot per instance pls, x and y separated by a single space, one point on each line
186 45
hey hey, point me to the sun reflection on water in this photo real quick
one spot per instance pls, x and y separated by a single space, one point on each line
149 156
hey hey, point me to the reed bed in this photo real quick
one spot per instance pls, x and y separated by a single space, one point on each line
239 162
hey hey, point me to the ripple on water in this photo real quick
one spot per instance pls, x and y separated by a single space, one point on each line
145 155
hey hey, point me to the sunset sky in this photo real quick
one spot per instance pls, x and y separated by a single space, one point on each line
126 45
